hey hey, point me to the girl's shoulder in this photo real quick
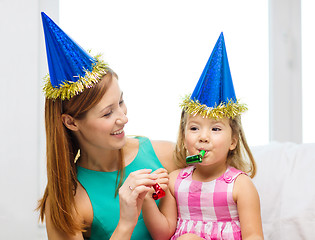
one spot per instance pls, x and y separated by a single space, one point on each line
243 179
172 179
231 174
243 186
181 173
174 174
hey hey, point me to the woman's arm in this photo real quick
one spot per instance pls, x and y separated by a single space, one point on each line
55 234
131 197
130 202
161 221
248 206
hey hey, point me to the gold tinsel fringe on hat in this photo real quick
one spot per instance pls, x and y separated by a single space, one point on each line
223 110
69 88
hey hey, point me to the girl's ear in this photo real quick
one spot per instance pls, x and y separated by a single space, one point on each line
233 143
69 122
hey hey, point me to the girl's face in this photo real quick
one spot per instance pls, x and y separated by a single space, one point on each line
213 136
103 125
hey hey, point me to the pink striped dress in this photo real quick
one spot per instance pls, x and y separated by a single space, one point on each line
207 209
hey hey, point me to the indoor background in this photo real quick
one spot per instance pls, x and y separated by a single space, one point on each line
158 49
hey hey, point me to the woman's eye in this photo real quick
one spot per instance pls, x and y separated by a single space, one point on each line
121 102
108 114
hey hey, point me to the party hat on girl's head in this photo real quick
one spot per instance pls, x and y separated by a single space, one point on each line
71 68
214 95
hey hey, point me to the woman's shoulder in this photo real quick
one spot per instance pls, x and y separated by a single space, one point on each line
164 150
165 147
159 146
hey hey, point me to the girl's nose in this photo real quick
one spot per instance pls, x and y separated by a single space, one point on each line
204 137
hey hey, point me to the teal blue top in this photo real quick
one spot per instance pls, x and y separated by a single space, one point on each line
100 186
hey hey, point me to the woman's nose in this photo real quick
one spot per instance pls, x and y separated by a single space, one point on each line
122 118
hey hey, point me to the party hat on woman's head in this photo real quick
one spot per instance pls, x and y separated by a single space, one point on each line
71 68
214 95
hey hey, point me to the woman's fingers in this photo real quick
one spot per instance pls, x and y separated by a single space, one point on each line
160 170
139 178
139 183
163 177
133 192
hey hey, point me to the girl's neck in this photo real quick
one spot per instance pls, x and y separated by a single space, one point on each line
204 173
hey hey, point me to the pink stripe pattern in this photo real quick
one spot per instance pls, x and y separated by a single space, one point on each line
207 209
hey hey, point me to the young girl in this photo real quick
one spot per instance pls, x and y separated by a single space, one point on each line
97 177
214 199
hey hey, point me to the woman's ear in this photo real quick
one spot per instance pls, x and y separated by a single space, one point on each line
69 122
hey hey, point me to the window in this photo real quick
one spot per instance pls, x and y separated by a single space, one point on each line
308 83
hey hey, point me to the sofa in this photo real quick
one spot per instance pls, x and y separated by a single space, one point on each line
285 182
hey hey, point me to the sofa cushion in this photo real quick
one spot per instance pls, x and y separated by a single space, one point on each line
285 182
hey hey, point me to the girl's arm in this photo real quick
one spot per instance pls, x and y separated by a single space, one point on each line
248 206
161 221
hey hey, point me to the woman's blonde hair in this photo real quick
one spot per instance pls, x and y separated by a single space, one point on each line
241 157
61 149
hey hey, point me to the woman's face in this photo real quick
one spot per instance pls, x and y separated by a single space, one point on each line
103 126
213 136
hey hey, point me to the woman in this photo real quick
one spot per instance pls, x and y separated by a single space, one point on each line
97 177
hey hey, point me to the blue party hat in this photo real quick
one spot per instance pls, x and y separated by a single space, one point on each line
214 94
71 68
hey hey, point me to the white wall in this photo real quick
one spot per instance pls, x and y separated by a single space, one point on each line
21 121
159 50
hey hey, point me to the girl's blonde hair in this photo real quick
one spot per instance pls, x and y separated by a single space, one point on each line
241 157
61 149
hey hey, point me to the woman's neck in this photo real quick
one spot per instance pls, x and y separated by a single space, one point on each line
108 160
105 160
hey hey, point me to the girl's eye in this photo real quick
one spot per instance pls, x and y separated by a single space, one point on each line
193 128
121 102
215 129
